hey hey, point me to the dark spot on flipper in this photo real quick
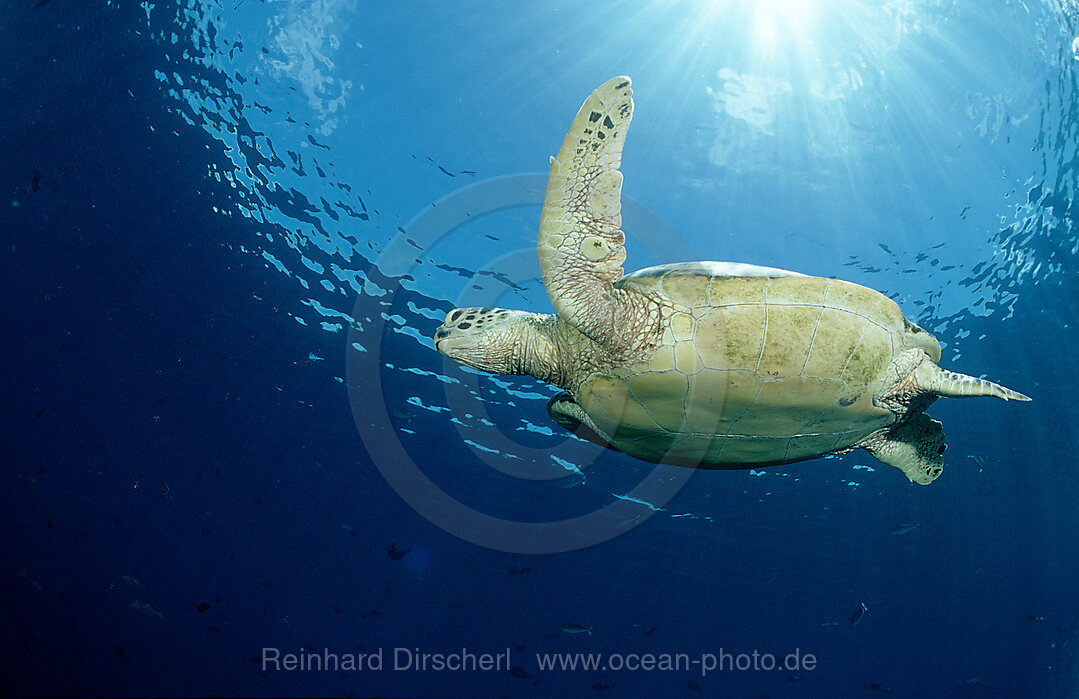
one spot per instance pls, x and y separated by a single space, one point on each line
601 134
608 123
848 400
464 326
620 85
594 117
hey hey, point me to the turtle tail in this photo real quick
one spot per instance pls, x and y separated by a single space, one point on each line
932 379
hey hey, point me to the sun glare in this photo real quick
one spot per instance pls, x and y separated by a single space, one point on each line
780 21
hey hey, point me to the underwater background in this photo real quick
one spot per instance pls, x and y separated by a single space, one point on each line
230 228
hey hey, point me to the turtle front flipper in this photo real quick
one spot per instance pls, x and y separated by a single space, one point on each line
915 446
570 415
581 249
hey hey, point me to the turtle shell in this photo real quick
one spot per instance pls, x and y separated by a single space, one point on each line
759 367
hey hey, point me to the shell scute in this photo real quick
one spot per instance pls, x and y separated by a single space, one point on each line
725 291
837 336
783 407
731 336
804 291
788 336
690 290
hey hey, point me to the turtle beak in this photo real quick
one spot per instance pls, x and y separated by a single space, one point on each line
445 342
449 336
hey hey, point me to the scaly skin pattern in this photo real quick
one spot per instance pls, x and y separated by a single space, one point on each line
580 245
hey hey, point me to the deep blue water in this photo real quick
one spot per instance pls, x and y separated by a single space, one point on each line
211 206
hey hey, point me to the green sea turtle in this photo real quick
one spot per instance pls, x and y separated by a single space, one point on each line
705 364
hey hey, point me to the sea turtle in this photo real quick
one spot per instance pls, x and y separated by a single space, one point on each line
705 364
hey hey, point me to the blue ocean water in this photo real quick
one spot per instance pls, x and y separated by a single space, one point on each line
231 227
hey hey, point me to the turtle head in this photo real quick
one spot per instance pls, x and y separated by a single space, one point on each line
500 341
489 339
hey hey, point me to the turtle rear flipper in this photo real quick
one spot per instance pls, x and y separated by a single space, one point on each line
942 382
915 446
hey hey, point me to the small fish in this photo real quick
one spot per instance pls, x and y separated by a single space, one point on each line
576 628
518 671
876 686
900 529
133 582
857 616
403 414
1035 619
600 686
572 481
693 686
203 606
147 609
395 553
26 576
518 570
122 654
651 629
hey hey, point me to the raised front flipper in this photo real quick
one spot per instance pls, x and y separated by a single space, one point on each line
915 446
580 245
